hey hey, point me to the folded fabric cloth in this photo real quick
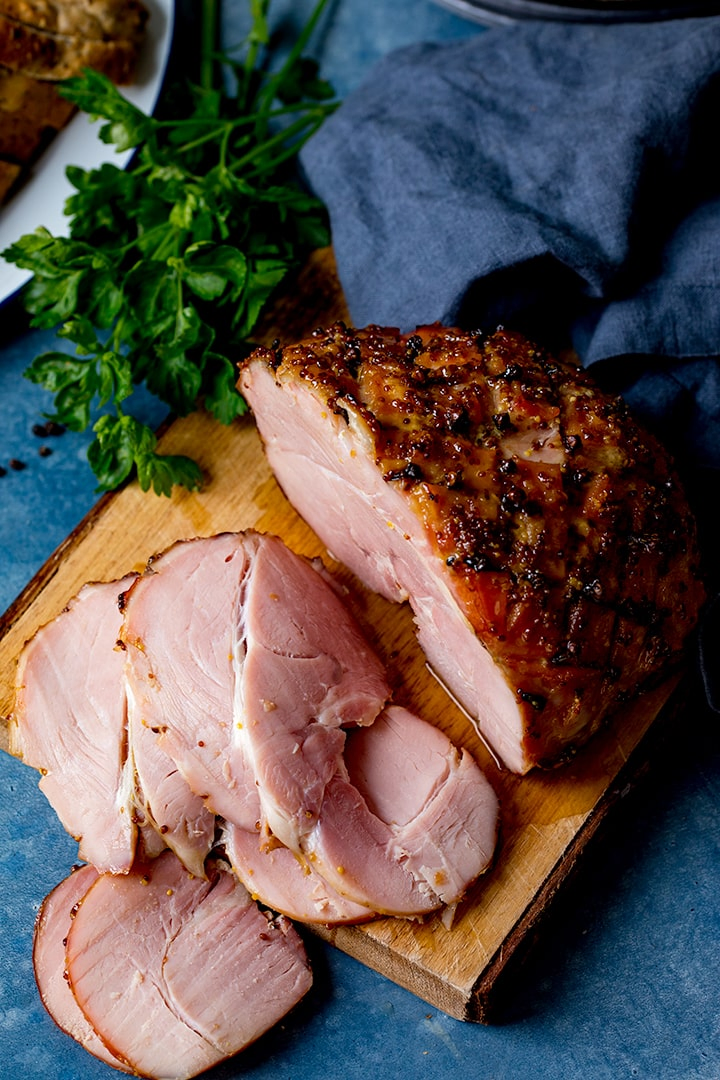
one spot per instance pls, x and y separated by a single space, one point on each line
560 178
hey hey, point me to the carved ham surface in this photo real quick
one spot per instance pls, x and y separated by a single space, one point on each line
177 629
304 677
248 669
541 537
288 884
210 702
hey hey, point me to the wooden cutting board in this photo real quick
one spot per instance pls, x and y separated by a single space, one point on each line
547 819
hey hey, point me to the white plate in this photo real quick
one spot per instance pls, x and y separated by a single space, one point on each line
41 200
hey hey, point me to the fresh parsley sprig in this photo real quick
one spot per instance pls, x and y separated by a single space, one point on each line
169 263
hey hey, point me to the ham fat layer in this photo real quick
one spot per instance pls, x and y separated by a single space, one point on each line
541 537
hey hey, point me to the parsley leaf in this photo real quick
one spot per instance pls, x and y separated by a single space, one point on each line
169 263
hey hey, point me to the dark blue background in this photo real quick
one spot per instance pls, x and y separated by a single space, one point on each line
624 981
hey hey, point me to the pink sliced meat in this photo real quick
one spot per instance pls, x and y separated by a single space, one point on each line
165 803
69 722
177 626
279 879
52 927
304 671
296 689
180 628
441 812
177 973
431 832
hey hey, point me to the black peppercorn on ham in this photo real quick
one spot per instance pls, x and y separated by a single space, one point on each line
539 534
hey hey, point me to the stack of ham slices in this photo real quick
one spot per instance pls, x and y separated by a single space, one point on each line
218 735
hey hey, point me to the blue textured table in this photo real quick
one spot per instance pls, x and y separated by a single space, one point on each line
624 980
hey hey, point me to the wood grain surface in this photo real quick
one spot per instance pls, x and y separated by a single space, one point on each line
547 819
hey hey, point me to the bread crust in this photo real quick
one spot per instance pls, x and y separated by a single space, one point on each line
101 20
50 56
31 112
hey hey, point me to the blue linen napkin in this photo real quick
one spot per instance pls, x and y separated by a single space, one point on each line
559 178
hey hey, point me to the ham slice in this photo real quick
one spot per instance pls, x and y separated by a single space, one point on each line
440 812
304 672
172 814
246 667
69 721
236 683
52 927
180 626
177 973
428 833
541 537
177 628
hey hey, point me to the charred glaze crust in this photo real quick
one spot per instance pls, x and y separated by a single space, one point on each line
561 521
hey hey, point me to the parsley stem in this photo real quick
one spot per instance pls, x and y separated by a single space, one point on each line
258 37
209 31
216 127
269 91
312 119
288 152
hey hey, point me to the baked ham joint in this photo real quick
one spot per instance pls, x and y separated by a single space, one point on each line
540 535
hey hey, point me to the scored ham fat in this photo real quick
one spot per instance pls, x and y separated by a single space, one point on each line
540 535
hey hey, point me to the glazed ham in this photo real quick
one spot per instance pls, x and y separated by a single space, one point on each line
69 722
539 534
